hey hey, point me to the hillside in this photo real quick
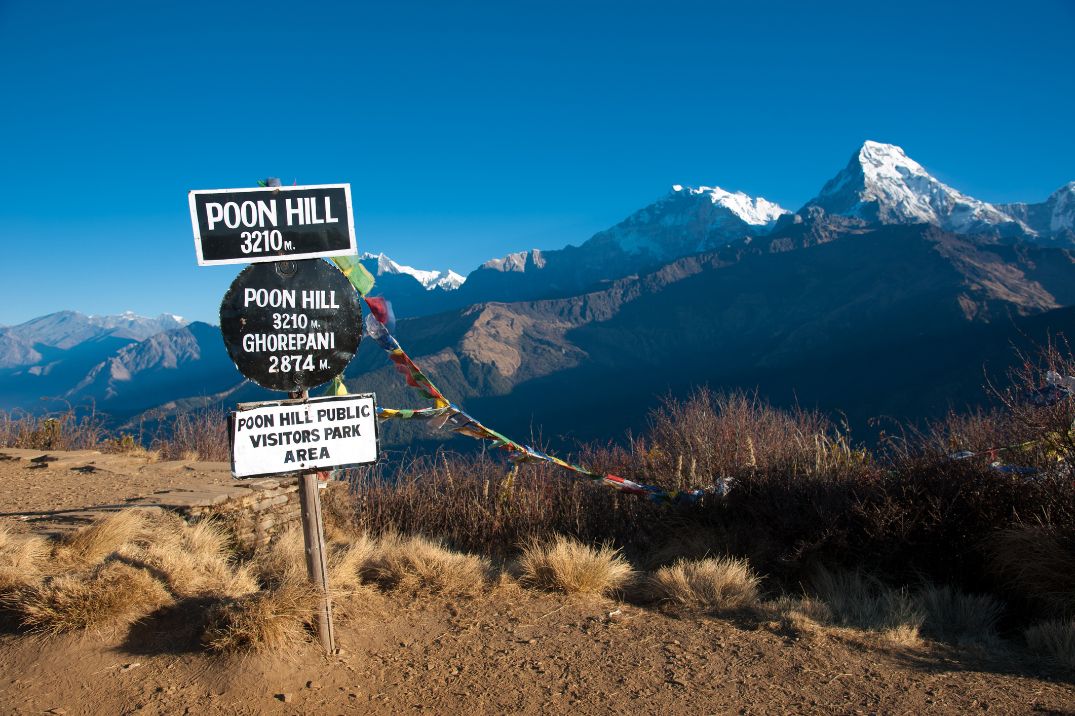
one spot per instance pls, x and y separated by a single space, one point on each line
898 321
817 325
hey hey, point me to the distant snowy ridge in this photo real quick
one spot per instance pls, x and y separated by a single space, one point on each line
516 262
689 220
127 319
448 280
65 329
19 345
1055 215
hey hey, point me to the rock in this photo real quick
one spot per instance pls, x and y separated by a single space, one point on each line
313 684
285 697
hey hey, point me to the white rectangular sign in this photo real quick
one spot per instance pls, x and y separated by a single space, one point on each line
285 436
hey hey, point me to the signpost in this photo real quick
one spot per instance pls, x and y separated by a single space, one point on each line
242 226
290 322
291 325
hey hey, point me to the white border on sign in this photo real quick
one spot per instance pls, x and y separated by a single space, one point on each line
352 249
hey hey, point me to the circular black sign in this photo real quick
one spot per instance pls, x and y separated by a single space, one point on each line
291 325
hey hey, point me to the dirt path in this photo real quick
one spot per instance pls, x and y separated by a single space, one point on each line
48 490
522 652
83 478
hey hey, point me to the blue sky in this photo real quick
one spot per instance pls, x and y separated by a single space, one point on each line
469 130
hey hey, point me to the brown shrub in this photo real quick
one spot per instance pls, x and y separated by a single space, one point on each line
687 543
91 545
1036 563
1047 423
282 561
802 495
196 435
193 560
569 566
56 431
110 595
708 585
693 442
22 558
274 619
419 564
476 503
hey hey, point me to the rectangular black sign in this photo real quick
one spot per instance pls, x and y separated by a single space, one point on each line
242 226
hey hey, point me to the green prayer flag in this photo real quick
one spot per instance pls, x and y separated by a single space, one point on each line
356 273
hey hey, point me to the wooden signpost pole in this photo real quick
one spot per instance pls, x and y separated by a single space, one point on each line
290 322
313 533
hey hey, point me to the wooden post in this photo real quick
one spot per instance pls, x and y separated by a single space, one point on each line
313 532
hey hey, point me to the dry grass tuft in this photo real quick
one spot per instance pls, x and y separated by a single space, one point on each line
959 618
418 564
861 601
113 594
89 546
347 560
574 568
284 560
805 615
22 558
269 620
194 560
708 585
1055 640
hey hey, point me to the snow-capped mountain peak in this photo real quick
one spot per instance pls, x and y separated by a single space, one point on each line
882 184
448 280
756 211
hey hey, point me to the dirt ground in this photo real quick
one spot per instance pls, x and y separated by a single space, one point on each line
67 488
509 650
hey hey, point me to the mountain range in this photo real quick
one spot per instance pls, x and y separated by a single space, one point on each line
886 294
